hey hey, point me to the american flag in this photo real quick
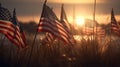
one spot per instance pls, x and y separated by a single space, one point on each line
49 38
97 31
21 33
67 26
63 18
8 28
114 25
50 23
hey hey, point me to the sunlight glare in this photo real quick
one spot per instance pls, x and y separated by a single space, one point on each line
80 21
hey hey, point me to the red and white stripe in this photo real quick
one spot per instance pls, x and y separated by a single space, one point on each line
49 38
12 32
55 28
115 27
97 31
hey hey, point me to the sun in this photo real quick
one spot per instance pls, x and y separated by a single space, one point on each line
80 21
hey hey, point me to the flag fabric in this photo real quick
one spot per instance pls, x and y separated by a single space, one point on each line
97 31
22 37
114 25
8 28
67 27
48 39
5 14
63 18
87 31
50 23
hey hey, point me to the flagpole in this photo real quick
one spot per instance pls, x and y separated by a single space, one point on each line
110 32
29 58
94 24
95 17
111 27
73 18
85 30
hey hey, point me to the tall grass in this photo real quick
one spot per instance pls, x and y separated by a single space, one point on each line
86 53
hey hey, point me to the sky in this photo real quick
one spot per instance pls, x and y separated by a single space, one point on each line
30 10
